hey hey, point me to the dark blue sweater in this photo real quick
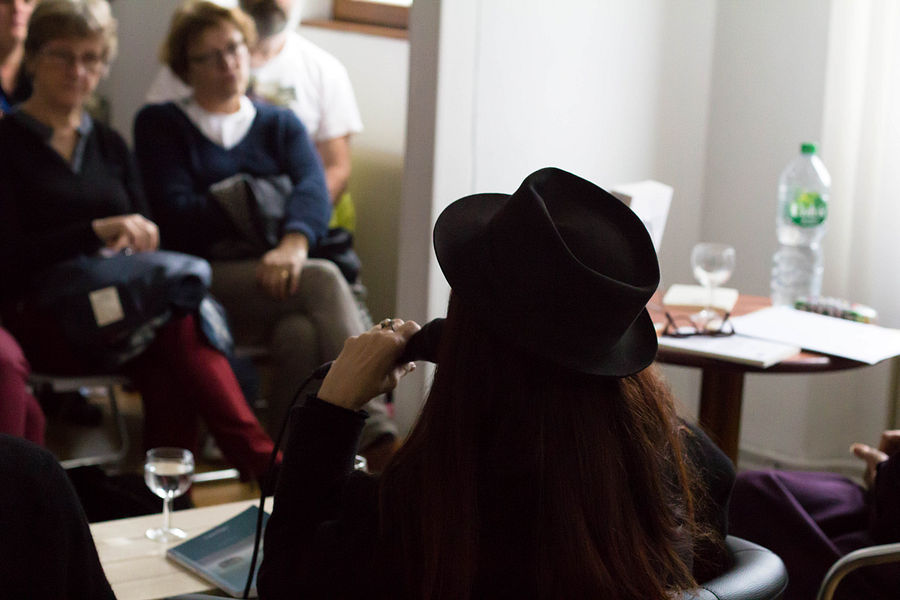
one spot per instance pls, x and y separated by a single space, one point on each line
179 164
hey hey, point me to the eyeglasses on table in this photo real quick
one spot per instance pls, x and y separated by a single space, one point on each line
680 326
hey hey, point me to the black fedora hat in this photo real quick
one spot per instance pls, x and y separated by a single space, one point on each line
560 268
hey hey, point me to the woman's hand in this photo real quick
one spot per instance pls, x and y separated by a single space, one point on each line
367 366
279 269
888 446
132 232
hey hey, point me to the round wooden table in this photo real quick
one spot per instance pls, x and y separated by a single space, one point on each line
722 386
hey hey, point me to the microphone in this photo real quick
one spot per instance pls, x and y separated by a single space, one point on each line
423 345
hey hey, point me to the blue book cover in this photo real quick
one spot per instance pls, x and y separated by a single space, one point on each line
222 554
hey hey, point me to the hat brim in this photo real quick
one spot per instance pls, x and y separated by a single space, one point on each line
460 254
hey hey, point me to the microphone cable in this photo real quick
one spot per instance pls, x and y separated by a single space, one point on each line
267 482
422 345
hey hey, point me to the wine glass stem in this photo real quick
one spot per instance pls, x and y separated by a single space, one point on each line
167 511
709 297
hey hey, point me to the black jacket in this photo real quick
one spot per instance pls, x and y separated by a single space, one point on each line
322 540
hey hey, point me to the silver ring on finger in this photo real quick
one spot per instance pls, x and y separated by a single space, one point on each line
387 324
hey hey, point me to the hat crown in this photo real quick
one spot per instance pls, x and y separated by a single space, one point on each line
560 268
590 222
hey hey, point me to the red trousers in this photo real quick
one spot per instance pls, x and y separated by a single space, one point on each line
182 380
20 413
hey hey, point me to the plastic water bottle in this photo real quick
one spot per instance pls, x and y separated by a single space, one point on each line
800 224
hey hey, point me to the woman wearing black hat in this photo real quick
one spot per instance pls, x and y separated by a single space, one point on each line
548 460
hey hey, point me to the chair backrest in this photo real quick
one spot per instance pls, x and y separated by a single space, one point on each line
756 574
873 555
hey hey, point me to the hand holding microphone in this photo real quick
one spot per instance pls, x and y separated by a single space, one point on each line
369 364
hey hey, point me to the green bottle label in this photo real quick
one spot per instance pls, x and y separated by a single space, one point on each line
808 209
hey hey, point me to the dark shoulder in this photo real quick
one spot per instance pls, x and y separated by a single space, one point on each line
24 458
9 133
268 111
109 143
109 136
18 141
705 455
165 113
279 117
10 126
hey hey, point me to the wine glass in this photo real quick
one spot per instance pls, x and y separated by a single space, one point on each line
713 264
168 473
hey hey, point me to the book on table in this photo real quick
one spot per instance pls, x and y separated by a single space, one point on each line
681 295
222 554
732 348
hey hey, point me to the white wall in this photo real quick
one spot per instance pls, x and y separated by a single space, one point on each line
767 96
612 91
142 28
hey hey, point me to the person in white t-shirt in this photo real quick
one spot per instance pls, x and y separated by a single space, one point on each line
288 70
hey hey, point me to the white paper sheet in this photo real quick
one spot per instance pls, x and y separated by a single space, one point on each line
829 335
650 200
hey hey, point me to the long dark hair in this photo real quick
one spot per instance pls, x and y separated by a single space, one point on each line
525 475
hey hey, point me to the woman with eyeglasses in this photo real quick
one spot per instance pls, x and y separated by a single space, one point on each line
68 187
196 153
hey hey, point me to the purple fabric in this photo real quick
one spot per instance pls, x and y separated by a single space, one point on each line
810 520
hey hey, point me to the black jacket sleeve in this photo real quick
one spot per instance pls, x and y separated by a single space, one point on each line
318 464
716 474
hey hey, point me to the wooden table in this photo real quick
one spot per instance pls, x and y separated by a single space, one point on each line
722 387
137 568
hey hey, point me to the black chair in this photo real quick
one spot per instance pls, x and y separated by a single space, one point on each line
757 574
46 382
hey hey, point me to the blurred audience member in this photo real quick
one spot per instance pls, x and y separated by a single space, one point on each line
69 188
289 70
200 156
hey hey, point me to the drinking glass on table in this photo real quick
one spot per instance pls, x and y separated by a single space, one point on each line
168 473
713 265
